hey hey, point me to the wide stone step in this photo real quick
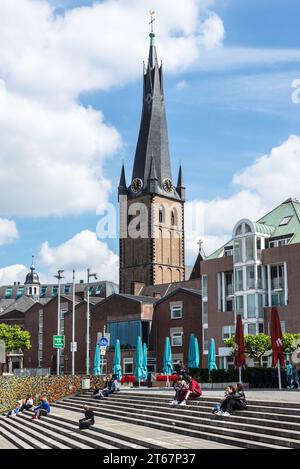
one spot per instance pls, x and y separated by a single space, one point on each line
95 440
255 406
70 436
209 399
28 439
190 411
225 436
126 441
254 425
49 438
12 438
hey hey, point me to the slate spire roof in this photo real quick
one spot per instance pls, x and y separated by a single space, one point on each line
152 153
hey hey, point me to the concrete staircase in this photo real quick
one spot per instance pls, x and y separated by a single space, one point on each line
264 424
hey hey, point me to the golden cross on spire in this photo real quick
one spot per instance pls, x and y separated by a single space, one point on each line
152 14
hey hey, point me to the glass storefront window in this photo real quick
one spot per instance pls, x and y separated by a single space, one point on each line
127 332
251 310
238 251
250 278
239 285
249 248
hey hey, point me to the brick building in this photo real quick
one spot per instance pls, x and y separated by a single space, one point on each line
257 269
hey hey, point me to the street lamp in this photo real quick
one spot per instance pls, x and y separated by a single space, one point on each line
89 276
73 325
59 277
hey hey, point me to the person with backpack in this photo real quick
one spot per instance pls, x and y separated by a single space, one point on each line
88 420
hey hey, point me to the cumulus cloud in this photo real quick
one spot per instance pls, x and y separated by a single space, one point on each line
52 148
212 32
13 273
8 231
269 181
82 251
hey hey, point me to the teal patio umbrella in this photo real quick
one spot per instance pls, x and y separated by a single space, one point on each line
97 361
138 373
168 361
117 370
194 356
145 362
212 356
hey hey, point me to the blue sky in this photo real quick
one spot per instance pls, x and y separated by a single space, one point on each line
225 110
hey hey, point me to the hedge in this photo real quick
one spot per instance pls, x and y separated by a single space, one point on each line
255 377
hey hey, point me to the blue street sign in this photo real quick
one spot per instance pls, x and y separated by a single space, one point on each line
103 342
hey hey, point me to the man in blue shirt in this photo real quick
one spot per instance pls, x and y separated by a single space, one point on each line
42 409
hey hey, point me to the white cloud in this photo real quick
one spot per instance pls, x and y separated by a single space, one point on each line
51 159
13 273
53 149
182 85
82 251
274 177
269 181
8 231
213 32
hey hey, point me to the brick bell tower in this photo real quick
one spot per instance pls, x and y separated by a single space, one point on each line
152 207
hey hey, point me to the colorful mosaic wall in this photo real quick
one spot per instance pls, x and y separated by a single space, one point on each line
14 388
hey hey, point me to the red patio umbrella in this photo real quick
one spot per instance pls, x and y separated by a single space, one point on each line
277 343
277 339
239 354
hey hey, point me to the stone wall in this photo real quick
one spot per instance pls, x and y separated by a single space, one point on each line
14 388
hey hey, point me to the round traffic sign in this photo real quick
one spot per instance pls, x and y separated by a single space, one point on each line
103 342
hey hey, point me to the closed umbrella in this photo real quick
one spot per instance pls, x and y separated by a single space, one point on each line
168 361
193 356
212 356
239 352
145 362
117 369
277 343
139 360
97 361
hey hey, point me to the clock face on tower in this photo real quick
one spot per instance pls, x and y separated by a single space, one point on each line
137 185
167 185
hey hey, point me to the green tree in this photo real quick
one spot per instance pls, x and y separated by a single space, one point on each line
290 342
14 337
255 345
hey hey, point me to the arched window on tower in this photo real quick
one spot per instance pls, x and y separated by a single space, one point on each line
161 216
174 217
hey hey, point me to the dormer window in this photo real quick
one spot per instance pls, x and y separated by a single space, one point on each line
286 221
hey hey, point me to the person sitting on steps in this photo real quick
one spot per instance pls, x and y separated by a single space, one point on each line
88 420
179 385
42 410
236 400
191 391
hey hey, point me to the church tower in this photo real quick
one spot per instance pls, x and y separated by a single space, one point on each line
152 206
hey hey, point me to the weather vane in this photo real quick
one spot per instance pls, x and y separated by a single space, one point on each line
152 14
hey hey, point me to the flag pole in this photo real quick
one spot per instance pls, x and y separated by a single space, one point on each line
240 375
